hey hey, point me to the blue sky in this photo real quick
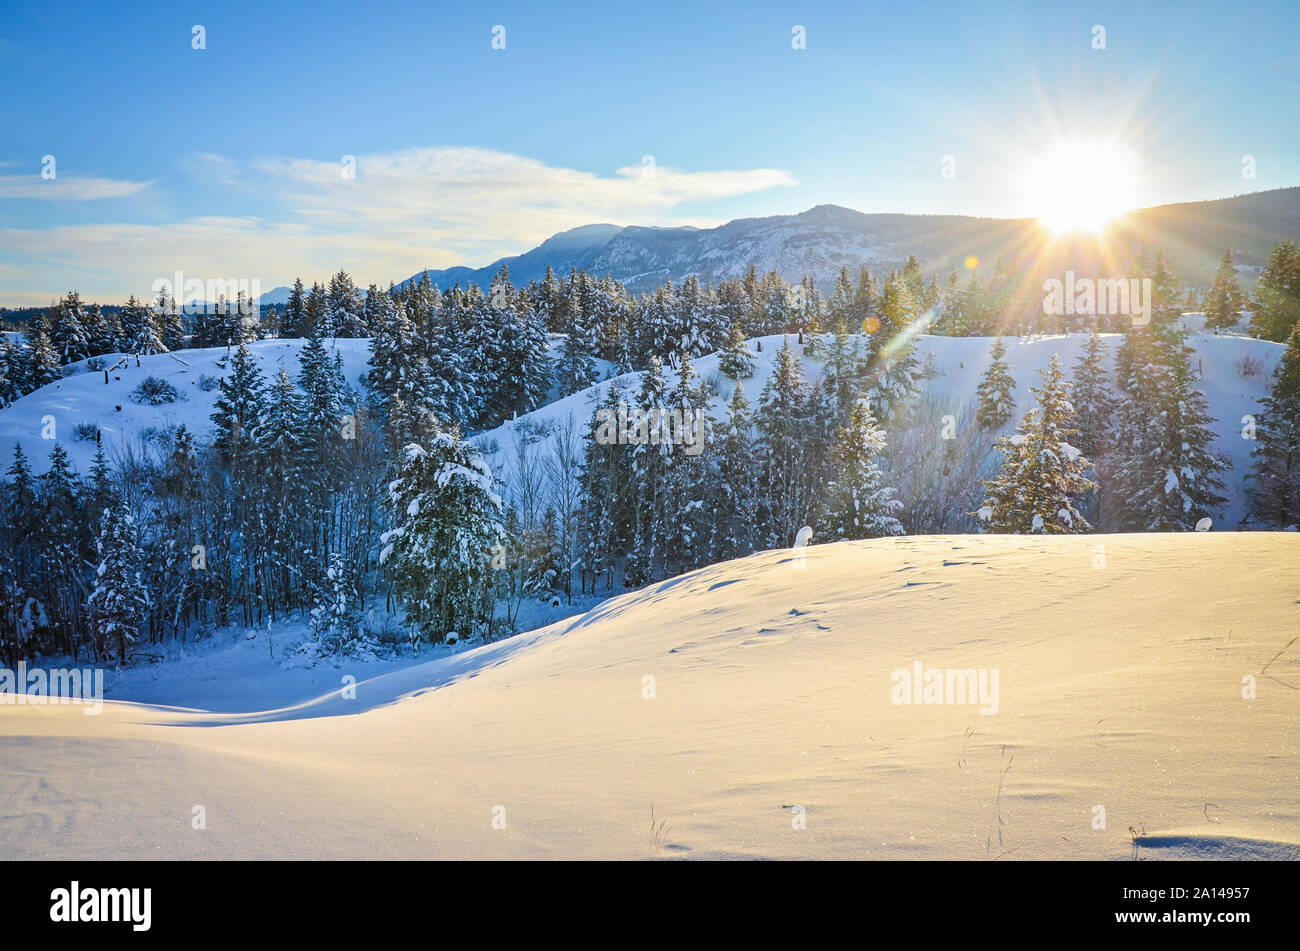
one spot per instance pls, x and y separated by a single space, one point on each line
227 162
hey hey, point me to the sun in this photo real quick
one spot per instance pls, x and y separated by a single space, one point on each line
1081 186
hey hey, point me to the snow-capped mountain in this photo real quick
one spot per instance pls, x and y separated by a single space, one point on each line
820 241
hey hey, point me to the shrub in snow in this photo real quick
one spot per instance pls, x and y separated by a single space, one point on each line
86 432
154 392
1249 366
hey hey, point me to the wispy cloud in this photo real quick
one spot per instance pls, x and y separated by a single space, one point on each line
478 199
67 188
400 212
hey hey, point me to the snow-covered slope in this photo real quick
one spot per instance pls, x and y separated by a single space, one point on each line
961 362
752 706
83 397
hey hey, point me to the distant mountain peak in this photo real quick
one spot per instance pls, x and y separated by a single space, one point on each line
827 237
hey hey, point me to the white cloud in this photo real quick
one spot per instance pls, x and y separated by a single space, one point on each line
403 211
67 189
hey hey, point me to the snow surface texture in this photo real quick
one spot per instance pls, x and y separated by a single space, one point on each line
1120 687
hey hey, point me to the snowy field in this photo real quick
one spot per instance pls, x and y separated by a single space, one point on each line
754 706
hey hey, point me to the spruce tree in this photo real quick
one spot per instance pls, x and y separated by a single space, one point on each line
577 368
68 335
1275 489
857 503
649 481
1224 302
1094 403
448 520
238 412
1164 468
1277 294
734 506
737 360
606 515
335 618
295 312
118 603
1042 473
784 452
994 391
42 361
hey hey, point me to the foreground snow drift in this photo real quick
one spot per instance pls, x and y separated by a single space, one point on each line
753 706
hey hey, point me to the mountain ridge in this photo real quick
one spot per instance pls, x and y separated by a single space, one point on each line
824 238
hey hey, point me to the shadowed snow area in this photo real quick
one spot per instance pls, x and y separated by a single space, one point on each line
753 705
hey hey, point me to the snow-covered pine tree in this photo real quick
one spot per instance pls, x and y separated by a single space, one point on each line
317 318
1093 400
146 336
528 361
167 317
840 382
994 393
119 602
442 381
335 618
1224 302
294 323
347 317
1276 309
866 301
68 336
606 515
42 362
648 482
1165 470
448 520
1275 489
783 452
576 369
392 345
321 422
856 503
1042 473
737 360
104 330
693 469
550 301
17 381
839 308
238 411
734 506
654 323
894 372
